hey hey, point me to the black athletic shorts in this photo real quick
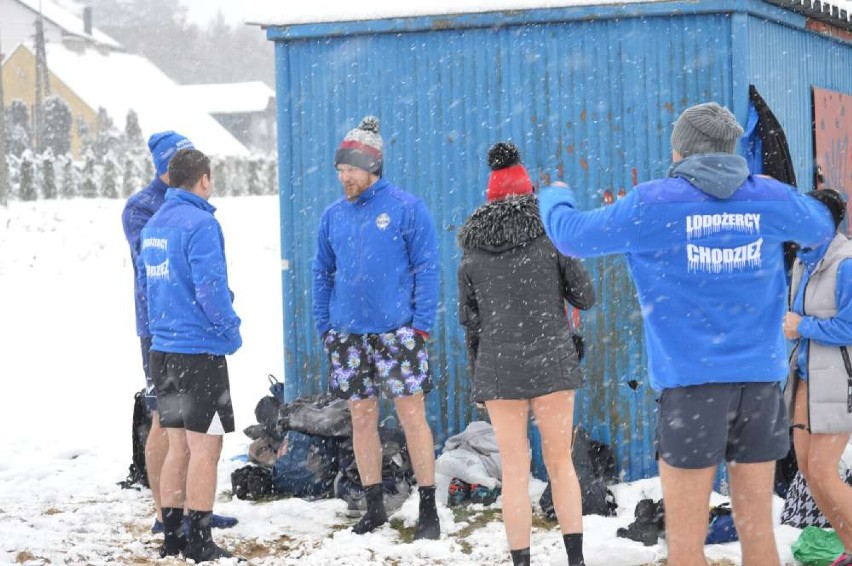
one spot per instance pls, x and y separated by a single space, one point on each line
150 390
702 425
193 392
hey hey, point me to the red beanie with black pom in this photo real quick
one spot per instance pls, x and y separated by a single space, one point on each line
508 177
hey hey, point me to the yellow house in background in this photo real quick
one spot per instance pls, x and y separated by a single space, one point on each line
19 83
89 78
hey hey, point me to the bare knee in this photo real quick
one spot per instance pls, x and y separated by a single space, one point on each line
559 463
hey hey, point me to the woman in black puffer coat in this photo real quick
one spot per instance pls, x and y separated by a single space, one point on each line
513 285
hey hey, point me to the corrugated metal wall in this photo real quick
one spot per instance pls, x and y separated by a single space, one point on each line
593 99
784 64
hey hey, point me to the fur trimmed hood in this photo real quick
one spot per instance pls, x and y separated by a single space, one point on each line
502 224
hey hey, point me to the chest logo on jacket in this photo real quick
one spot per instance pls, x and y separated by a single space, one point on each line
383 221
717 260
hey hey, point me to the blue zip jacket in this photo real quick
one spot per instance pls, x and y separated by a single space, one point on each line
182 270
137 212
704 249
834 331
376 267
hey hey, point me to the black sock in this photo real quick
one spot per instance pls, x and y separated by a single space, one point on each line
428 525
376 515
174 540
521 557
574 546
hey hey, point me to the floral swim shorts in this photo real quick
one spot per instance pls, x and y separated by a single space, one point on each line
361 365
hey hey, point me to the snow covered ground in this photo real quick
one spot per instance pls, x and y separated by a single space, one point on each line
70 364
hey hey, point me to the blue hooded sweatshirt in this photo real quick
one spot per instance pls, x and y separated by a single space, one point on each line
137 212
376 267
704 249
182 270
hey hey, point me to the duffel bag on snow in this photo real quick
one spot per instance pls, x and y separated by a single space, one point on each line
307 466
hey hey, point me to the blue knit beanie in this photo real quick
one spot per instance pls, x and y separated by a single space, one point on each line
163 146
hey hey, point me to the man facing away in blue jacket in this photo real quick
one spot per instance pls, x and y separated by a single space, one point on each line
137 212
375 294
193 325
704 249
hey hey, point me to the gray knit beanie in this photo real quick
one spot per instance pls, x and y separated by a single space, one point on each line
362 147
706 128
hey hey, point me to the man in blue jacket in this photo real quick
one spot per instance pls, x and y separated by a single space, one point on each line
704 249
375 294
193 325
137 212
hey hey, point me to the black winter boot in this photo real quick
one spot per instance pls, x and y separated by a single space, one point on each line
376 516
175 540
645 528
574 548
521 557
200 546
428 526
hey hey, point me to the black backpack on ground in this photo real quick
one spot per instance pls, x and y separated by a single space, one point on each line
138 472
595 467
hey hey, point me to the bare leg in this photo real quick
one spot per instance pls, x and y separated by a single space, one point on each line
365 440
686 492
156 448
173 474
201 475
751 501
554 414
818 456
418 437
509 418
832 494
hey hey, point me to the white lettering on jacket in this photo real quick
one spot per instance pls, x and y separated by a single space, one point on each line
699 225
717 260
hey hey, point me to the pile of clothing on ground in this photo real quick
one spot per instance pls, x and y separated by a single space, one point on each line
304 449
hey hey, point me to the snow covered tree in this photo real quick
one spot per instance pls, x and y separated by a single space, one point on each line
27 191
106 136
148 170
57 125
4 171
253 182
89 186
18 134
69 176
109 182
237 179
130 177
132 130
271 176
48 174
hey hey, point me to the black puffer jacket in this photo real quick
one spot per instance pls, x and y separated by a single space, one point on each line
512 288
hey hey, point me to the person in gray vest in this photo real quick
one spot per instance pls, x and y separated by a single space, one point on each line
819 389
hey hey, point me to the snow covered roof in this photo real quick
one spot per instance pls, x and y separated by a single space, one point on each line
119 81
230 98
266 13
68 21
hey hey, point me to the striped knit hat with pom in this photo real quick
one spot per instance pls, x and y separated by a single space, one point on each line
362 147
508 177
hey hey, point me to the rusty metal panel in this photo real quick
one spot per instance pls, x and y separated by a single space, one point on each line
832 148
592 100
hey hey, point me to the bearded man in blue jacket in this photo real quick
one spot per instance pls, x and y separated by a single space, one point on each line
193 325
704 249
375 294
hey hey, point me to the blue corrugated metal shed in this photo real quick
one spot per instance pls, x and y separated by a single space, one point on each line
590 91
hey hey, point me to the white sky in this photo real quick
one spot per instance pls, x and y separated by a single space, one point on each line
202 11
